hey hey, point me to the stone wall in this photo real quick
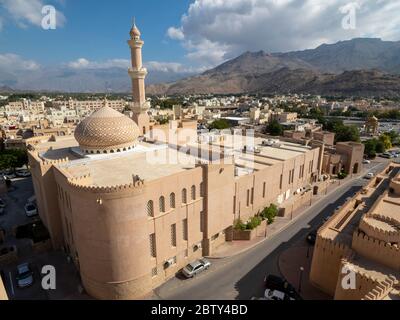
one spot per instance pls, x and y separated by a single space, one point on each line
377 250
326 263
367 287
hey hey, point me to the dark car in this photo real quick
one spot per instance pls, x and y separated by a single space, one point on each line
312 237
24 275
277 283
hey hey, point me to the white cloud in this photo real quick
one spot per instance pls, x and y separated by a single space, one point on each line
10 62
175 33
215 30
172 67
29 12
83 63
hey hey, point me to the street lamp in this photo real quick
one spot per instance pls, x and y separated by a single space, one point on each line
300 278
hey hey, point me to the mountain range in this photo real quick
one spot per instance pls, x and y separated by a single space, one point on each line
358 67
65 79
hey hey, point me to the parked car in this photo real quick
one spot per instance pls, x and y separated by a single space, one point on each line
24 275
276 295
273 282
194 268
366 161
2 203
9 176
386 155
23 173
312 237
31 210
370 175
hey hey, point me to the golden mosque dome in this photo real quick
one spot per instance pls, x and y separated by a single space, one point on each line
106 131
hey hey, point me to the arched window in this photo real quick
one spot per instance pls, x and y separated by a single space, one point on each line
193 192
162 204
184 196
150 208
172 200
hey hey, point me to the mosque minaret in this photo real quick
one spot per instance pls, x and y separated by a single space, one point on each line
138 74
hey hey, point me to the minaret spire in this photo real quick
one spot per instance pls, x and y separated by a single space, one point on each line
138 74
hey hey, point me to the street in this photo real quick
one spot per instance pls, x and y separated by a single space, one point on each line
67 280
241 277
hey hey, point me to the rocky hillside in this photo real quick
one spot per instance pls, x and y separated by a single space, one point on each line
359 67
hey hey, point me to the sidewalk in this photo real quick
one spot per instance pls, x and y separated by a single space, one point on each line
233 248
290 262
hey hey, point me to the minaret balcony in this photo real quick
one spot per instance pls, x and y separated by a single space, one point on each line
137 73
136 43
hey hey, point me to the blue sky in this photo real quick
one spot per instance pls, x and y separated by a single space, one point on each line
181 36
97 30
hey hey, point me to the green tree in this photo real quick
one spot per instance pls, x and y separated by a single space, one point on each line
370 148
332 125
386 140
394 137
11 159
380 147
219 124
274 128
345 133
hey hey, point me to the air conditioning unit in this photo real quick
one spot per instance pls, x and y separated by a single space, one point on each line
168 263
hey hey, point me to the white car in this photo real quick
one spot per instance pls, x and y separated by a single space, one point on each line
194 268
23 173
366 161
31 210
370 175
9 176
276 295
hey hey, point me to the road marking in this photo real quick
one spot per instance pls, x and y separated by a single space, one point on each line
12 284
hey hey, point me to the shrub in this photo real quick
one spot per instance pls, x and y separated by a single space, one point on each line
270 213
253 223
342 175
239 225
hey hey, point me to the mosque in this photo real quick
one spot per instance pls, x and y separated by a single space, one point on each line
130 223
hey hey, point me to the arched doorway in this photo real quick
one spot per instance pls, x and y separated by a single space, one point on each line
355 169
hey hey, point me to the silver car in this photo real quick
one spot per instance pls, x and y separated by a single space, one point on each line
194 268
24 275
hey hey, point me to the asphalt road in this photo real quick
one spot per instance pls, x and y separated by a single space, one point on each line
241 277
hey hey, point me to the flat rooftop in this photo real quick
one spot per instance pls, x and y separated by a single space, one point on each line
152 161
